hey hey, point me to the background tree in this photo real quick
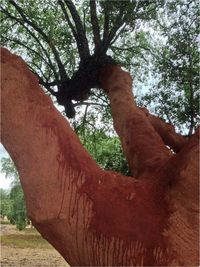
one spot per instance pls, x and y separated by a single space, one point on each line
175 95
105 149
14 199
5 203
18 214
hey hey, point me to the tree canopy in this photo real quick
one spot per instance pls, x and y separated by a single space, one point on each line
47 31
65 43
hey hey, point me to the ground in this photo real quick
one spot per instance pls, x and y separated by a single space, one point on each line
27 249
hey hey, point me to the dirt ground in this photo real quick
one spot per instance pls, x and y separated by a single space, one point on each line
14 256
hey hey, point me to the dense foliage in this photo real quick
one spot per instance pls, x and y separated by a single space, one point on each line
106 150
12 201
5 203
175 95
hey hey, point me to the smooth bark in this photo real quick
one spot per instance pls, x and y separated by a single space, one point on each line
94 217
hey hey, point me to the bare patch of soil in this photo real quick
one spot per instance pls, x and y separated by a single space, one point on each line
31 256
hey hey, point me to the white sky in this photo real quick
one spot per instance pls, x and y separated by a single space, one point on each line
4 182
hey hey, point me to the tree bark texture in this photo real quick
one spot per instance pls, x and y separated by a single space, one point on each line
95 217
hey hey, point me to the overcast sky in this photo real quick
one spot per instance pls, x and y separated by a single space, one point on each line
4 183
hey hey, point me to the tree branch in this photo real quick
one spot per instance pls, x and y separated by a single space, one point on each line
117 35
67 18
95 25
42 82
142 145
119 21
15 40
83 122
134 47
35 37
61 67
191 97
167 132
144 15
79 29
74 32
106 24
89 104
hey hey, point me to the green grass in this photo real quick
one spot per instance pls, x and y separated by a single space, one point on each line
4 222
25 241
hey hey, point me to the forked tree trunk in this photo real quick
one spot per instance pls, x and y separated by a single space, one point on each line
95 217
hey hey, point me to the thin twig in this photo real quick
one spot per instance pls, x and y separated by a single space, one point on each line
89 104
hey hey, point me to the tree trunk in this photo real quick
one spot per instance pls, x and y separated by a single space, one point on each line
95 217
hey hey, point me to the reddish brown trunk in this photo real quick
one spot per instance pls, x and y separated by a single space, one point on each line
167 132
142 145
93 217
